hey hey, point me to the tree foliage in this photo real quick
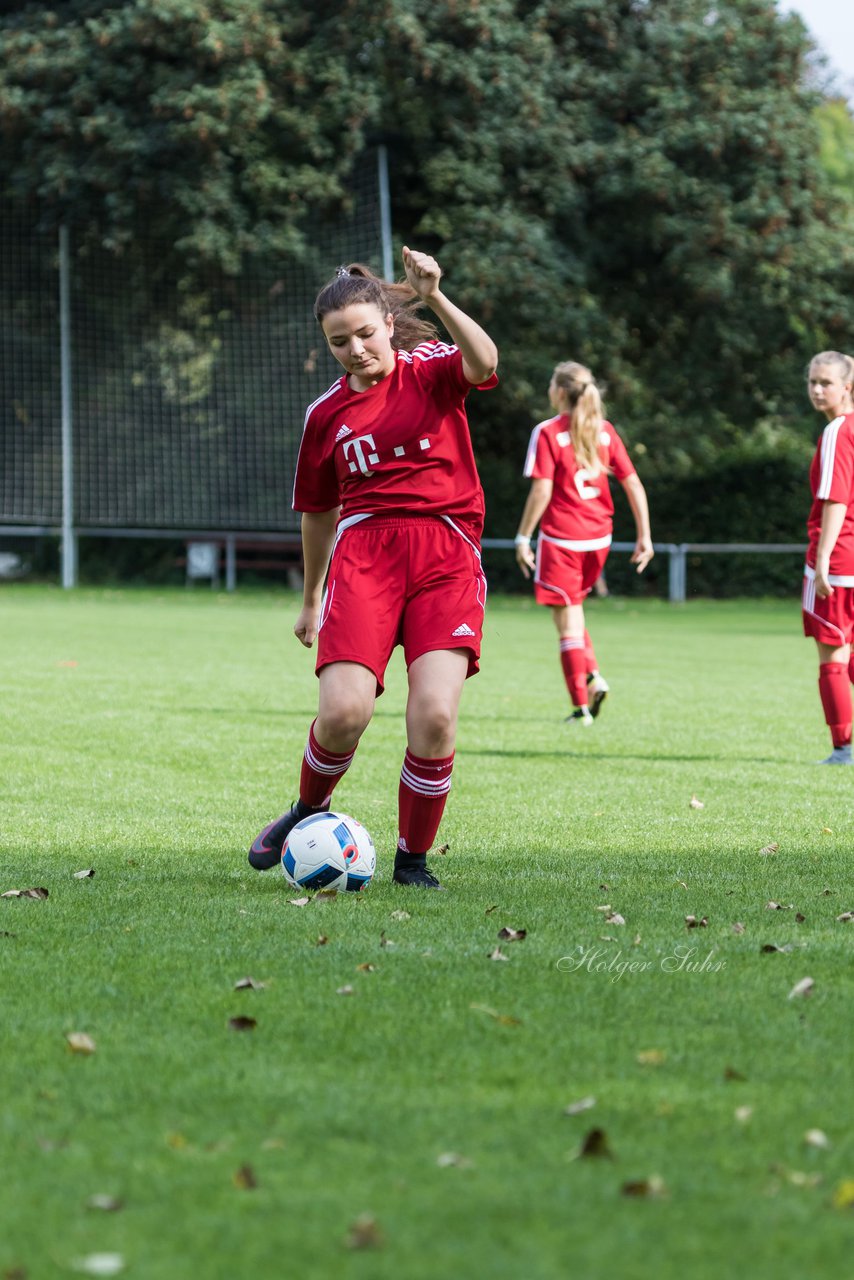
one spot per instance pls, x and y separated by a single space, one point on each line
635 183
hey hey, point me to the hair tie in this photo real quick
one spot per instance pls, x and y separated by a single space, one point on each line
342 271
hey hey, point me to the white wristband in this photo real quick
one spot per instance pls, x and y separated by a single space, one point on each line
522 540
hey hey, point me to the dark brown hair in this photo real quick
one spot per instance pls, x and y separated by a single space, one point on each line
356 283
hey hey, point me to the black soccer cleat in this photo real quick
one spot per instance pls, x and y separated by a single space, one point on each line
597 691
267 846
411 869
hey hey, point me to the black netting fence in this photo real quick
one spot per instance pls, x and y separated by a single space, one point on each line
187 403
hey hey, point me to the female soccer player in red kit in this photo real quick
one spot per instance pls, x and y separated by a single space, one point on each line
828 595
570 458
392 505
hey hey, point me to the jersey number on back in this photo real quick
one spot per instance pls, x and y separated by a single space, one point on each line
586 490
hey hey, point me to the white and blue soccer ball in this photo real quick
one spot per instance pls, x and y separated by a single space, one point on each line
329 851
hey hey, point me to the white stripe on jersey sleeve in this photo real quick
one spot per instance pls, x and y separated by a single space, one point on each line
828 456
336 386
429 351
531 455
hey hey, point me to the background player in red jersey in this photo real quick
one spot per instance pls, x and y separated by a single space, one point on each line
828 594
569 460
393 507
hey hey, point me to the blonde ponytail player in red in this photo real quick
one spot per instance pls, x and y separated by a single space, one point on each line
570 458
828 593
392 514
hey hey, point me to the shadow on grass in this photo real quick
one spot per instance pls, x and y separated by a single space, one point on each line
621 755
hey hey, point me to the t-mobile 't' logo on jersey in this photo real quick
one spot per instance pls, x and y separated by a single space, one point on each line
361 456
357 458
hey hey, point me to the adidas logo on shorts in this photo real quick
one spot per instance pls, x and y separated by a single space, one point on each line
343 431
464 630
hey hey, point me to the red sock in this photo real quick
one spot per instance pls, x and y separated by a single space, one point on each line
835 691
574 663
589 654
320 771
421 796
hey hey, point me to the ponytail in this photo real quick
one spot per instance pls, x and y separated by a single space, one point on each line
584 401
356 283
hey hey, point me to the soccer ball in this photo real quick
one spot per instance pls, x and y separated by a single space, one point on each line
329 851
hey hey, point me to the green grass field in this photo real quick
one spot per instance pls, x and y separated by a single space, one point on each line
417 1128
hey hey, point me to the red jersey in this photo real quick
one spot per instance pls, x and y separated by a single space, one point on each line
400 447
581 508
832 480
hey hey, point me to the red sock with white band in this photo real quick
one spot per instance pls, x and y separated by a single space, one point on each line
321 770
421 796
573 660
834 689
590 654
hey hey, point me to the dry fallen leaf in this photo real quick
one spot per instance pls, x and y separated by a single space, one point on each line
738 927
615 918
817 1138
365 1233
730 1073
694 803
693 923
344 991
682 884
25 893
777 906
104 1203
84 875
826 831
769 849
799 917
651 1188
443 849
595 1145
504 1019
243 984
244 1178
100 1264
400 915
79 1042
583 1104
843 1196
743 1114
772 946
321 940
367 967
453 1160
512 935
826 893
299 902
802 988
606 907
846 917
241 1023
498 954
651 1057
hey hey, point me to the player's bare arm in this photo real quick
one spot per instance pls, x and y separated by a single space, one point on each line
539 497
832 519
318 537
636 495
479 352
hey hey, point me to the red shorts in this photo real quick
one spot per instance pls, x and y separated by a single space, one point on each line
410 580
830 621
563 576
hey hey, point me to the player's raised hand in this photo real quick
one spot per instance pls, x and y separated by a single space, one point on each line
422 272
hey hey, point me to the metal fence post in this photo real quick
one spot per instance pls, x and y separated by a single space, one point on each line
385 213
69 537
230 562
677 573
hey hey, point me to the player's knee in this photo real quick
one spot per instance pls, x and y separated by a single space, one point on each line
345 719
437 723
